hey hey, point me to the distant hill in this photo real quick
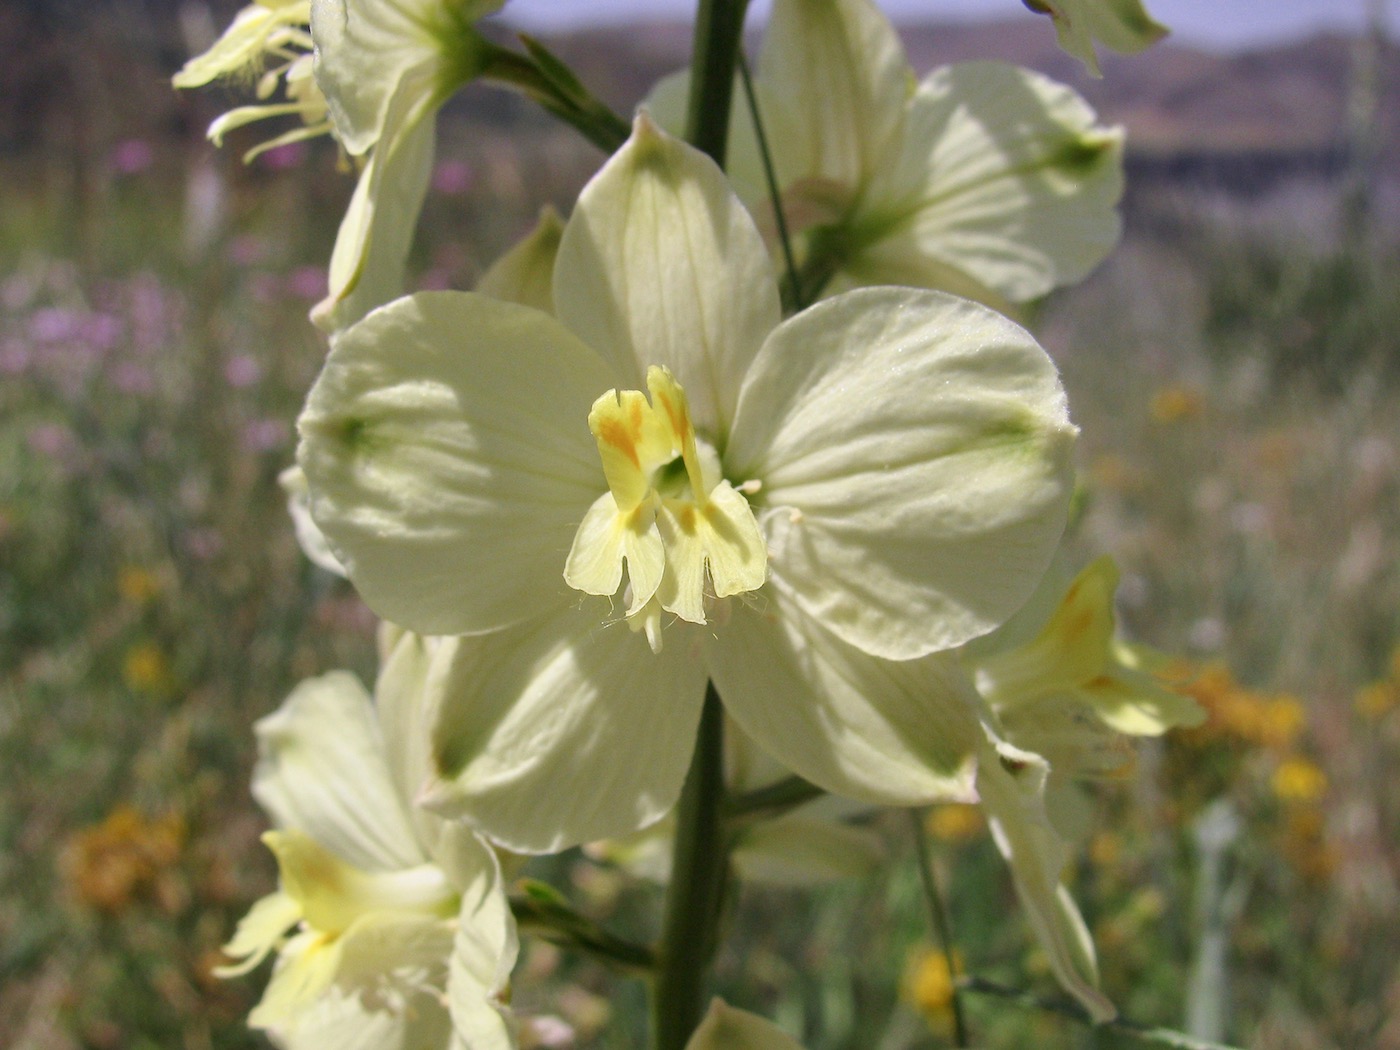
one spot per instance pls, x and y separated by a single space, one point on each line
1286 100
102 70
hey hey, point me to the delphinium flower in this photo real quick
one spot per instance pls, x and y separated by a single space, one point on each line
984 179
806 513
1061 690
390 926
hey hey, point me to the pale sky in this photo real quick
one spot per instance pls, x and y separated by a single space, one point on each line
1214 23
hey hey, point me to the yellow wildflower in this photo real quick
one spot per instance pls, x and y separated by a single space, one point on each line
145 668
928 983
1175 403
136 584
955 822
110 864
1298 779
1375 700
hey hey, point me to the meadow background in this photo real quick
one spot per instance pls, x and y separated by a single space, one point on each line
1235 368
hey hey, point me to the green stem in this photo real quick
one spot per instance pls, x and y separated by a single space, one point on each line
1145 1033
719 30
938 915
546 80
772 801
695 896
563 926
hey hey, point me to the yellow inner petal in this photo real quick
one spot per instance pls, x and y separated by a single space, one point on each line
682 536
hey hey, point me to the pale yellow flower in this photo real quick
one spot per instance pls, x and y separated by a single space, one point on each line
808 512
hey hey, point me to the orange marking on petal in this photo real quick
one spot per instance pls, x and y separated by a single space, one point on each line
616 433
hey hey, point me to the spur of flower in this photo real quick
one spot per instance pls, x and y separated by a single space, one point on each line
984 179
390 927
804 513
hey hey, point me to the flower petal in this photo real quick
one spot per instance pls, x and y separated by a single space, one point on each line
377 987
259 932
376 233
914 455
309 536
834 83
1005 176
661 265
447 450
483 955
1070 649
725 1028
525 273
321 771
805 851
893 733
244 43
364 49
1122 25
562 730
1011 783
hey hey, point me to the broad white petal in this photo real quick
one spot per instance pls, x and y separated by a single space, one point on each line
321 770
1011 783
725 1028
525 273
743 164
563 729
661 265
835 81
895 733
1005 176
364 49
799 850
376 233
447 449
914 454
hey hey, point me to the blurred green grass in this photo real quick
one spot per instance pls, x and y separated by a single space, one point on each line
1237 392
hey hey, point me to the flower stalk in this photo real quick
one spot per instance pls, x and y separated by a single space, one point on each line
719 30
695 897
